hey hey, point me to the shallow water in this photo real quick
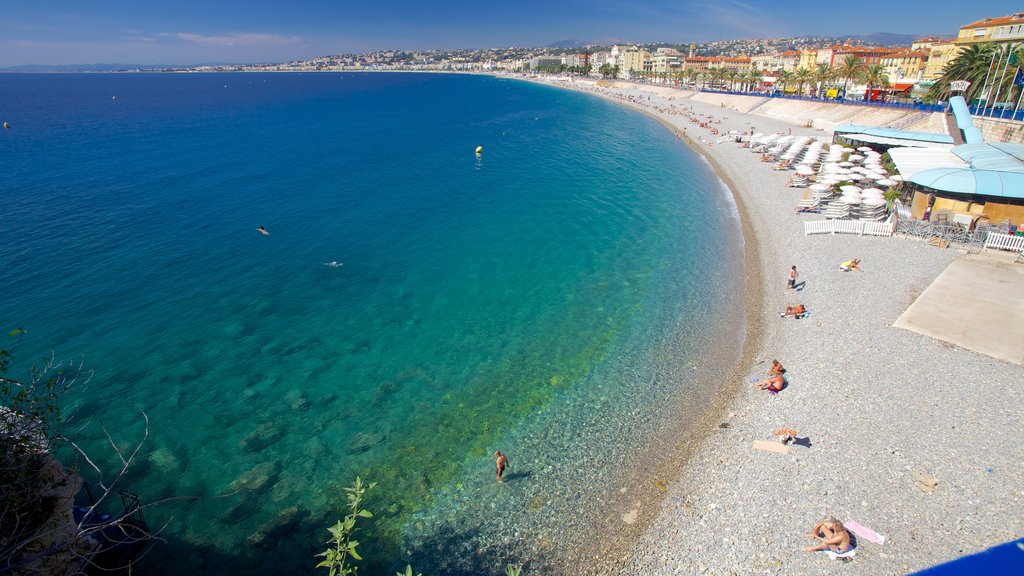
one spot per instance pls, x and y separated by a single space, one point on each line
549 298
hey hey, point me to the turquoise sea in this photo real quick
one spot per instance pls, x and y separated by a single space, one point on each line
566 297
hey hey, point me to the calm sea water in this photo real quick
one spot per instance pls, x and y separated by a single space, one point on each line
548 298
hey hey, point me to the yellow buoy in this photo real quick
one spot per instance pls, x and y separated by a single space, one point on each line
6 125
479 150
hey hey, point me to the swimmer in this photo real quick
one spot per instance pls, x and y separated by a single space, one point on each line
263 230
333 264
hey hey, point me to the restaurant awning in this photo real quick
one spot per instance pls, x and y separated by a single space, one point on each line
973 182
869 139
910 161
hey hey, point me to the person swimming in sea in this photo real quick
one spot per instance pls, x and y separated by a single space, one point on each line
333 264
263 230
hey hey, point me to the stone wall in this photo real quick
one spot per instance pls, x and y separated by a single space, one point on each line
996 130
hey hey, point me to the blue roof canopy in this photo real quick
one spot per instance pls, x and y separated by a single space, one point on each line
973 182
893 133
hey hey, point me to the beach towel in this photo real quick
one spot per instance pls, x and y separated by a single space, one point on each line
848 554
864 532
771 446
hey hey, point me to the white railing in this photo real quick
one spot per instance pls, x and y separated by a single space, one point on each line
819 227
858 227
1004 242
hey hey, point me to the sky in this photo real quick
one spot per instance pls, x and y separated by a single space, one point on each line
252 31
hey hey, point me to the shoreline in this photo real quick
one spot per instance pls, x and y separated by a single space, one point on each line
733 509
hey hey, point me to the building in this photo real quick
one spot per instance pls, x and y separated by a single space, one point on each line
635 60
939 54
869 55
666 61
544 62
1002 29
741 63
905 65
774 63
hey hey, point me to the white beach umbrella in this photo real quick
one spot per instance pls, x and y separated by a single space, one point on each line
871 192
864 149
846 164
896 178
885 182
850 188
818 187
804 170
855 157
854 177
873 201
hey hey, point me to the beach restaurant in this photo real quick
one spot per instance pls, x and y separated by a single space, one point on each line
968 184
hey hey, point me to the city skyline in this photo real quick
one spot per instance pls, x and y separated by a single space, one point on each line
64 32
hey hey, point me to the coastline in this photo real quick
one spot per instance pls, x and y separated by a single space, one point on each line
734 509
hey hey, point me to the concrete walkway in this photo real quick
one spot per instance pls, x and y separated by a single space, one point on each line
976 303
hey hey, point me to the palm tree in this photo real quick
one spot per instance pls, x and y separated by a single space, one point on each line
785 78
851 69
731 76
803 75
875 75
822 74
973 64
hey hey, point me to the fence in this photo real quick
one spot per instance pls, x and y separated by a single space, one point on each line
1004 242
858 227
854 102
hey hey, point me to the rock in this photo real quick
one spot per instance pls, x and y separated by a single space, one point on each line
256 478
925 482
267 434
281 525
164 460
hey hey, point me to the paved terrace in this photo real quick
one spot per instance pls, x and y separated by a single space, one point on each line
976 303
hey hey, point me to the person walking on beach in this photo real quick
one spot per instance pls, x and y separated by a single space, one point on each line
793 275
500 462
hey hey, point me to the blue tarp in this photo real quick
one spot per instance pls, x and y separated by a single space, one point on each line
1003 559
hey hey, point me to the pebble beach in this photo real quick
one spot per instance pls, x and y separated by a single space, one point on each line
876 408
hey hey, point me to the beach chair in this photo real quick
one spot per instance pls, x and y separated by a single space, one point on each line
809 206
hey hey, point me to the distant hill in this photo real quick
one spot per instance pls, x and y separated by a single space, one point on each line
568 43
885 39
75 68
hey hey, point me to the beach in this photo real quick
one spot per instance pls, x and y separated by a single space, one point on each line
879 407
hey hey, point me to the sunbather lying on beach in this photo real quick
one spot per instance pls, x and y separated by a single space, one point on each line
832 536
850 265
773 384
794 311
776 368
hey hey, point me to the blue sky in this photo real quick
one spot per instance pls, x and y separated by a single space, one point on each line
197 31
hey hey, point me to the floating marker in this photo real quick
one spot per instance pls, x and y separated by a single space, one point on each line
6 125
479 150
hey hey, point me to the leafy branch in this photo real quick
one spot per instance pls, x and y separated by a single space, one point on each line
341 546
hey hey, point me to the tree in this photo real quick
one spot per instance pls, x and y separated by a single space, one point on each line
973 64
785 78
803 76
851 69
875 76
822 74
38 532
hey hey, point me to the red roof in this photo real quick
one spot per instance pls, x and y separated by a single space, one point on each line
1011 19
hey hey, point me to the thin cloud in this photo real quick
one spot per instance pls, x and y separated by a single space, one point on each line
233 40
740 16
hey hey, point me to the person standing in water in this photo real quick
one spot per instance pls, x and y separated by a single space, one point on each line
500 462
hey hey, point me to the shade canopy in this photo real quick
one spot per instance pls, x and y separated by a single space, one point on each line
972 182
